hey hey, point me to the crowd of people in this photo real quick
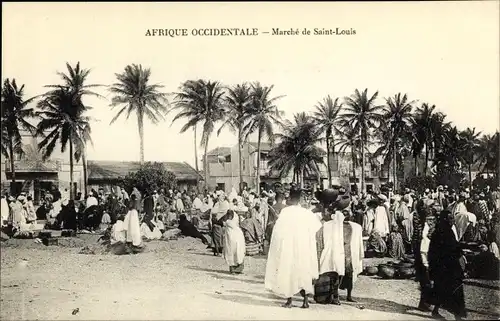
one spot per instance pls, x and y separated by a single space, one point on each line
315 241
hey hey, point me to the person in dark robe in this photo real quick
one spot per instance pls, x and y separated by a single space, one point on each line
188 229
148 208
274 212
445 268
395 244
113 207
68 216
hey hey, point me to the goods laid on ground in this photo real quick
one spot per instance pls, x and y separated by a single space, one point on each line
400 269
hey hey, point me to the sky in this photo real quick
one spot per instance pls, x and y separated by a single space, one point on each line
442 53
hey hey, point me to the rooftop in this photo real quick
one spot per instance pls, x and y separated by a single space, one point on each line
119 169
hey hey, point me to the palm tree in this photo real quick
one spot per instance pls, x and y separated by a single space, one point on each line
200 102
134 93
15 115
429 129
296 149
81 151
62 114
262 115
397 119
76 79
488 153
470 145
362 115
237 101
326 117
348 138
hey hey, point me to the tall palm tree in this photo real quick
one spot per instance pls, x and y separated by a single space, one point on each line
488 153
429 130
363 115
76 81
134 93
470 145
397 119
349 139
237 101
62 114
200 102
296 148
262 116
15 115
326 117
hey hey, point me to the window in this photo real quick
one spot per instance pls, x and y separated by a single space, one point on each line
228 159
221 186
369 188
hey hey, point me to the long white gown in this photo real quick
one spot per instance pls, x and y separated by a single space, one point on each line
132 227
233 242
381 223
292 262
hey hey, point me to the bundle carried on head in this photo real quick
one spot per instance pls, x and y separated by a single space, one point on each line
332 198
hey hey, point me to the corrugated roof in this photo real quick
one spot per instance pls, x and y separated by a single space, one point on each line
220 151
119 169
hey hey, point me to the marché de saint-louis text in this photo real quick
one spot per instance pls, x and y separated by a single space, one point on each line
315 32
334 32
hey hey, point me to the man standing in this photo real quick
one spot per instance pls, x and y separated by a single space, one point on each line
292 263
341 259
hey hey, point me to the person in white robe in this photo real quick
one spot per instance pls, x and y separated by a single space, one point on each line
30 210
131 224
118 232
149 234
4 210
233 243
91 201
292 262
381 222
341 258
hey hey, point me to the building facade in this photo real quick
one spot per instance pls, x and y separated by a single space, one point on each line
33 174
223 170
224 162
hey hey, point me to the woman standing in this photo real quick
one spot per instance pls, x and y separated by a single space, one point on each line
445 268
218 211
233 243
131 224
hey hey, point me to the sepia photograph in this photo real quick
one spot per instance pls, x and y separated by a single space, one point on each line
250 160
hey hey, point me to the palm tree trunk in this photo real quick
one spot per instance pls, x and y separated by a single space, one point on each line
240 165
205 164
195 152
328 161
301 177
140 124
258 161
84 163
470 174
12 169
363 164
426 159
71 195
353 160
415 161
395 169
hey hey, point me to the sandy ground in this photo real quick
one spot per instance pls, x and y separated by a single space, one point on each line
182 280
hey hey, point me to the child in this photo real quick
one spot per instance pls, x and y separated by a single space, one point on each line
159 224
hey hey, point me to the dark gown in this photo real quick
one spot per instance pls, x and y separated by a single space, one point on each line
446 271
188 229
